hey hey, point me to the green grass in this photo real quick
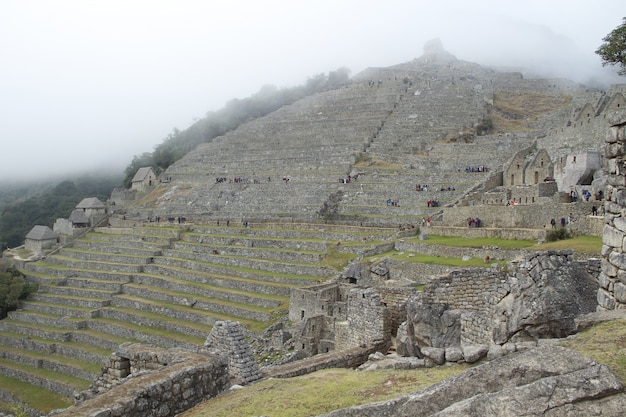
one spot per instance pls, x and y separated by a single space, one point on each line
590 245
463 242
431 260
320 392
606 343
35 397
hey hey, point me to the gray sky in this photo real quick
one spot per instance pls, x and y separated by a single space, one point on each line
90 83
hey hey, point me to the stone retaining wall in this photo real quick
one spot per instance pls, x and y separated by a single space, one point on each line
144 381
612 291
346 358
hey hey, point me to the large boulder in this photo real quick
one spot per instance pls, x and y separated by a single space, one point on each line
434 325
544 294
545 381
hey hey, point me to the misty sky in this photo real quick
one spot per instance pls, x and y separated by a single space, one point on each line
87 84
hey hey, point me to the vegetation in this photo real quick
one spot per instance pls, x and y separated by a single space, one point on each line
588 245
613 50
21 210
560 233
479 242
13 287
320 392
513 110
235 113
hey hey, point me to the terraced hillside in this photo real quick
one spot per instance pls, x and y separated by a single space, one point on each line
391 129
285 176
160 285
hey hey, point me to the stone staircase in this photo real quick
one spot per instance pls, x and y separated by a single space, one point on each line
161 285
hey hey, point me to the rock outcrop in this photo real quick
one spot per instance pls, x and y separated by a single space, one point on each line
546 381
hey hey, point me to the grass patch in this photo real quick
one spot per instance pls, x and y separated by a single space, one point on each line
35 397
606 343
320 392
512 110
589 245
337 260
463 242
431 260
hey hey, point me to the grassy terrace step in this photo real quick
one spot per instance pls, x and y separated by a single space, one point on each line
243 262
207 290
98 256
35 397
70 300
218 276
41 271
54 381
46 319
55 362
199 302
284 242
180 312
90 353
61 310
146 318
84 291
265 253
111 248
129 239
67 262
144 334
85 337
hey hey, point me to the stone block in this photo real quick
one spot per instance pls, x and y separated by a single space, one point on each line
619 292
605 299
474 353
494 352
437 355
612 237
453 354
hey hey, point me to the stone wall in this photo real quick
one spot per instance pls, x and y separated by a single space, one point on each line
227 338
612 291
143 381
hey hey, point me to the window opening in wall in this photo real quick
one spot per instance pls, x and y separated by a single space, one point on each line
352 280
326 350
362 295
537 176
512 179
301 314
303 346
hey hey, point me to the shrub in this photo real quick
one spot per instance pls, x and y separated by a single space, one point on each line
558 234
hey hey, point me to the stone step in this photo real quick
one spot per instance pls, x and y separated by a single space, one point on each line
87 255
206 290
84 291
52 362
197 302
249 252
282 242
47 319
66 385
157 321
59 261
87 353
217 276
304 270
103 246
144 334
43 272
93 303
62 310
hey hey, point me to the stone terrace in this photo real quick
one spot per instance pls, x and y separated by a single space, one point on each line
161 285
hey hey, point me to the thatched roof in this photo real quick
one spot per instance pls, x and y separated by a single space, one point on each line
41 233
90 203
78 217
141 174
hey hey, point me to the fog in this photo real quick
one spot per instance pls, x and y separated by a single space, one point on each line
85 85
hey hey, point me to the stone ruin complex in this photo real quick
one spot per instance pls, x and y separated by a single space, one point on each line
421 123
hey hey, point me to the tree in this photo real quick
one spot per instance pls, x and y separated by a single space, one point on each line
613 50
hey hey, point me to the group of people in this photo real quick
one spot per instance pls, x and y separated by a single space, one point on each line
473 222
393 202
479 168
432 203
346 180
